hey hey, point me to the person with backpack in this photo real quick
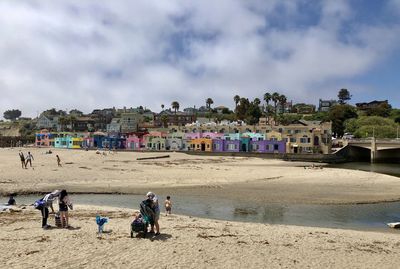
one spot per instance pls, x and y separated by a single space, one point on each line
44 204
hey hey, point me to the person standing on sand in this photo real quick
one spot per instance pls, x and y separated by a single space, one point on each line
156 208
58 161
29 159
64 204
168 206
22 157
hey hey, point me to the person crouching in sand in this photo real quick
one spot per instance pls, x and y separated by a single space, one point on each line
64 204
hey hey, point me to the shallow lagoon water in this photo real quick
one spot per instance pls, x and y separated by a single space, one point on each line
351 216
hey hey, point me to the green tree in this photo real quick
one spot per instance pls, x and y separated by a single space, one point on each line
175 106
209 102
286 119
242 108
12 114
164 120
236 98
267 97
275 98
338 115
282 101
253 113
366 126
382 110
343 96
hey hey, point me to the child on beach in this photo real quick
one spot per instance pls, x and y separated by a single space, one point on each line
58 161
168 206
64 204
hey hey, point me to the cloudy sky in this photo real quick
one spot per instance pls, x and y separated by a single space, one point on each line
92 54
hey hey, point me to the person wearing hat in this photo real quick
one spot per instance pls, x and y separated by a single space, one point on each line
156 208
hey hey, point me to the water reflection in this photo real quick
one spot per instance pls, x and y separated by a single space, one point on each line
336 216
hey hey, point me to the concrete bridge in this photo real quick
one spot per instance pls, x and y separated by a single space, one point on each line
374 149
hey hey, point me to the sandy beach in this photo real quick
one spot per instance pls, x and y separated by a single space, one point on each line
187 242
263 180
190 242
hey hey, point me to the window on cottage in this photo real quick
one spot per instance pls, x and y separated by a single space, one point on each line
276 147
293 139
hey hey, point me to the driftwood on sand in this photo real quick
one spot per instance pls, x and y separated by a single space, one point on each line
151 158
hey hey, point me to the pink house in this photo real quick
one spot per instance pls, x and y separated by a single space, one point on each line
133 142
44 139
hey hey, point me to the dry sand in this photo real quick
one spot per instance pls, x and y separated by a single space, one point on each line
187 243
264 180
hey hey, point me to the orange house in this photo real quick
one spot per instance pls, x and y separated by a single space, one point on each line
201 144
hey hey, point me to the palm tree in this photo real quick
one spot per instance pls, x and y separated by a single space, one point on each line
282 101
62 121
275 98
236 98
162 106
267 98
209 102
257 101
175 106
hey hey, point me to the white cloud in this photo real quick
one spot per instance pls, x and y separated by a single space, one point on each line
87 54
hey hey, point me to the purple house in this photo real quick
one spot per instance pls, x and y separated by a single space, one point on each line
218 145
231 145
268 146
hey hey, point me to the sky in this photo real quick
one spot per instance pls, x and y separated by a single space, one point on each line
96 54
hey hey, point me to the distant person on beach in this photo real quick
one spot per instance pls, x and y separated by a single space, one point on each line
156 208
22 157
64 204
11 201
29 159
168 206
58 161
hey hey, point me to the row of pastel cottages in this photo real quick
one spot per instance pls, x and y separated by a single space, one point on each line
159 141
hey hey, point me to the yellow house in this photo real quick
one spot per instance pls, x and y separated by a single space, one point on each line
75 142
201 144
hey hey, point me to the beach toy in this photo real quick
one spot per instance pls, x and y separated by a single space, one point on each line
100 223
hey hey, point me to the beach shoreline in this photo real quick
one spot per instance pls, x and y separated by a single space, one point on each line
259 180
185 241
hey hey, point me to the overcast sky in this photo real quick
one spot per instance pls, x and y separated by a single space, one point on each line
94 54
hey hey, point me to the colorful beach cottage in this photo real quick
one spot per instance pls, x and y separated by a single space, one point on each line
155 141
44 139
